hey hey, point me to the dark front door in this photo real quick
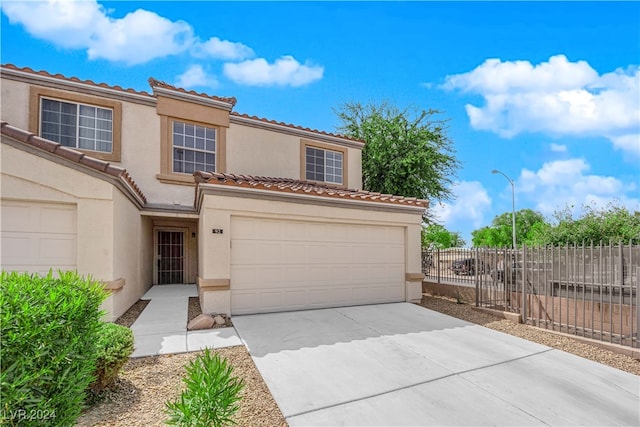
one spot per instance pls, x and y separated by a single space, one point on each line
170 257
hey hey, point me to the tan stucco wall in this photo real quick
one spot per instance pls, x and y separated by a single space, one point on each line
130 260
217 211
109 228
262 152
15 103
249 150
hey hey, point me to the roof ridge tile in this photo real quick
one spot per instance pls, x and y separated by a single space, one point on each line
74 79
292 126
159 83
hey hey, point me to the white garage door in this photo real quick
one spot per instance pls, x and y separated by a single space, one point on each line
280 265
38 236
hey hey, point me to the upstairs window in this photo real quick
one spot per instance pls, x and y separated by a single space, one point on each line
194 148
324 165
77 125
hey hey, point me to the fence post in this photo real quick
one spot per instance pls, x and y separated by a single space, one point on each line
476 255
438 264
637 307
524 283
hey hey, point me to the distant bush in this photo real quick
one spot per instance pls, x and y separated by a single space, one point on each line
113 348
212 394
48 346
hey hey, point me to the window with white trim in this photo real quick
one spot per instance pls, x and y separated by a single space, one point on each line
324 165
77 125
194 148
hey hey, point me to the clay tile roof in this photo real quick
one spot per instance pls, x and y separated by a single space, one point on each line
304 187
29 138
74 79
157 83
292 126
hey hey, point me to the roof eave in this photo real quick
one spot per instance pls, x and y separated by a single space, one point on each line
206 188
189 97
72 85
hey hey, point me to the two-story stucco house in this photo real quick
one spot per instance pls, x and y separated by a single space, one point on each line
172 186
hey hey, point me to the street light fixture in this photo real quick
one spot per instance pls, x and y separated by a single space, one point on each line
513 206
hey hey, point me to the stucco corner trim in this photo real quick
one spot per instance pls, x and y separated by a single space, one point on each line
205 285
414 277
113 286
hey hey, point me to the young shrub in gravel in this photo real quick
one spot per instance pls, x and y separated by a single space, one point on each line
212 395
113 348
47 346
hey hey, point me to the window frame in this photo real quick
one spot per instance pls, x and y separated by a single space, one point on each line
173 108
193 149
324 147
37 94
78 115
167 175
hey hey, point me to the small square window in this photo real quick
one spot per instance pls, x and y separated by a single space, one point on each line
323 165
197 148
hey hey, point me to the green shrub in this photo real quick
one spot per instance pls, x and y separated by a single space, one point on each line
113 348
48 346
212 395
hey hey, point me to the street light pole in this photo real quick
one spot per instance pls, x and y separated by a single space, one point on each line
513 206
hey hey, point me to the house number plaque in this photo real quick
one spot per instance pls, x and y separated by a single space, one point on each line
217 231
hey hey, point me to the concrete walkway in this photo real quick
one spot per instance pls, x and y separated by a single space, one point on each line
162 327
401 364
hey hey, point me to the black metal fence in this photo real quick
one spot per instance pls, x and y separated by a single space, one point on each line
591 291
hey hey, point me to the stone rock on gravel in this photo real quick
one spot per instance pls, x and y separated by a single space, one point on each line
202 321
219 320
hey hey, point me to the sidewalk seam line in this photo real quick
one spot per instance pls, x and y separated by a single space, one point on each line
453 374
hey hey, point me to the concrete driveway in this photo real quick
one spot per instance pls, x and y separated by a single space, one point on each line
400 364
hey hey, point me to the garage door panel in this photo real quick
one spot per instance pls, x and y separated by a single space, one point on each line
279 265
59 219
37 237
247 302
57 249
16 217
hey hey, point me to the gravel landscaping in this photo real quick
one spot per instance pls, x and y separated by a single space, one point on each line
145 384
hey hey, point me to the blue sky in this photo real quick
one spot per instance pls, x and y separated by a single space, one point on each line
548 93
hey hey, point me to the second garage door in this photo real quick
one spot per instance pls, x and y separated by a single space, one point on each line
37 237
282 265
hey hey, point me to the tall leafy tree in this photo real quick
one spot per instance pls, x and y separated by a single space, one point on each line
435 235
529 226
407 152
614 223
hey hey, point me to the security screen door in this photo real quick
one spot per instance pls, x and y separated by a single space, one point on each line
170 257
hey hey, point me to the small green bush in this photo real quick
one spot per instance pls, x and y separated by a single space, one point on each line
212 395
113 348
48 346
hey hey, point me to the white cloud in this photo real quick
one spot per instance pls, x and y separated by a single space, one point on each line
65 23
195 76
223 49
138 37
469 206
556 97
558 148
285 71
142 36
568 183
